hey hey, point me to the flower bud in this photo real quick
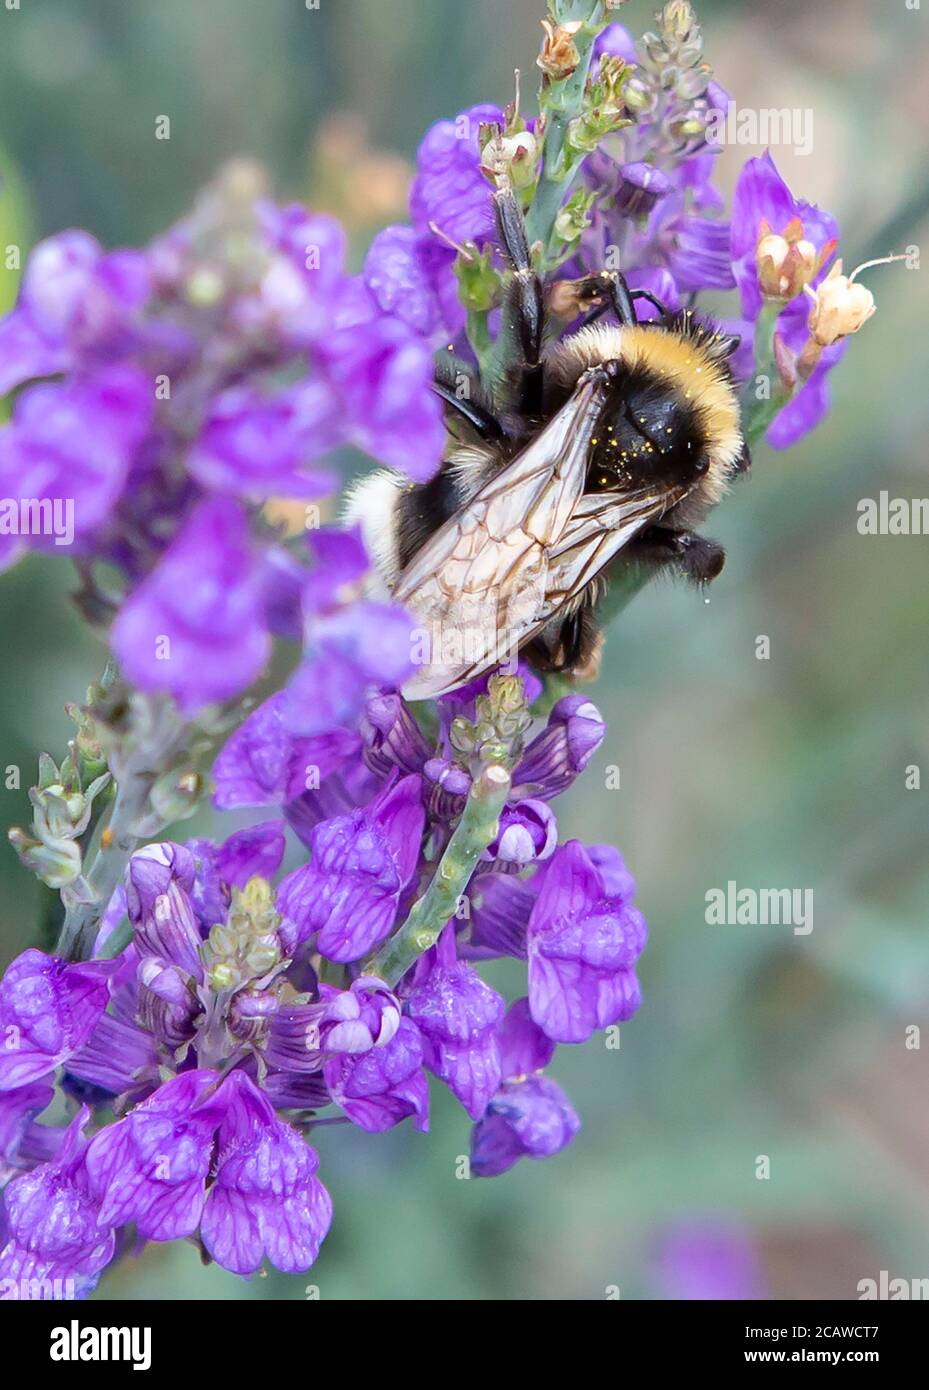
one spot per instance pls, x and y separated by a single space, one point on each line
559 56
641 188
511 157
839 307
787 261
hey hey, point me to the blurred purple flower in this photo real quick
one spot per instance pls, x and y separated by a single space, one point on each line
195 627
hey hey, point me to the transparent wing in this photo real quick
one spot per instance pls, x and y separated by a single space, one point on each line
499 570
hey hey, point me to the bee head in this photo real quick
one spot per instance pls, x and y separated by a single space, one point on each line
649 434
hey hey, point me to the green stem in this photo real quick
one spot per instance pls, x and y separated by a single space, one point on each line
113 849
561 102
431 913
759 413
479 337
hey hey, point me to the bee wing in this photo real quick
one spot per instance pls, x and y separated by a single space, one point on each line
600 526
483 573
498 570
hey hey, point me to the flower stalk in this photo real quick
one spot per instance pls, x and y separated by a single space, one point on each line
431 913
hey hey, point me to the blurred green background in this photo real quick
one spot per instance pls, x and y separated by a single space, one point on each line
788 772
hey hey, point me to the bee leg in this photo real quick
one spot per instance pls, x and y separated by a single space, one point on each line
695 557
572 644
462 392
523 311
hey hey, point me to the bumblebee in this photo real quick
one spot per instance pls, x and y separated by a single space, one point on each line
600 451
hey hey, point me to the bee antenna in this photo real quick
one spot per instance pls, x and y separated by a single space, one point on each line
463 251
881 260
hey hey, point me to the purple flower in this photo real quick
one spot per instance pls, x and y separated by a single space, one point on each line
48 1009
352 1020
583 944
361 863
530 1116
365 1015
265 1201
254 445
54 1226
351 644
151 870
708 1259
170 930
74 299
457 1015
258 849
554 758
762 195
379 1088
449 188
151 1166
18 1109
392 737
195 627
263 764
398 273
527 832
383 372
69 450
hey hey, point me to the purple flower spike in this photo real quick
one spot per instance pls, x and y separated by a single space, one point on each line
195 627
54 1227
258 849
266 1201
350 891
583 945
382 1087
457 1015
151 1167
48 1009
263 764
563 749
